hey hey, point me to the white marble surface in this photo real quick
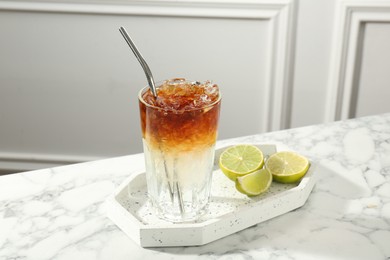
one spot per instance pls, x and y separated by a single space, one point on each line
59 213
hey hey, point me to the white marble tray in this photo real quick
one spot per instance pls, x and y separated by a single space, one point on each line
229 211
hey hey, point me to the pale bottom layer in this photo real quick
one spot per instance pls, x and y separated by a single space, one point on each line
179 183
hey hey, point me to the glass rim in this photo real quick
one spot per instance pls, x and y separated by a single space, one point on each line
144 89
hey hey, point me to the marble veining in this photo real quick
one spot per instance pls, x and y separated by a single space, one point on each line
59 213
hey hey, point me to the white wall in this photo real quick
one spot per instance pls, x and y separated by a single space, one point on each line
374 79
69 82
315 24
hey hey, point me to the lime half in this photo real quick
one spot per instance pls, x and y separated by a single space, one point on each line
287 167
240 160
254 183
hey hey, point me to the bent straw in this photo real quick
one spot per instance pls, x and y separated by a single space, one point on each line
152 86
141 60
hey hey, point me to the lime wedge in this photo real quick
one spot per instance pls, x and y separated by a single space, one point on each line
254 183
240 160
287 167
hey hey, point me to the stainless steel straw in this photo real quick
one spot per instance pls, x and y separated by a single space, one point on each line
141 60
149 76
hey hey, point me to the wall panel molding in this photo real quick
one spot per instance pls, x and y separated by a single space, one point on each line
280 14
32 161
210 9
351 17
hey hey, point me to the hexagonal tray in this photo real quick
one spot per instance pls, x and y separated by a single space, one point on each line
229 211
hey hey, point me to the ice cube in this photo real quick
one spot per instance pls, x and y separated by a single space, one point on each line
211 89
204 98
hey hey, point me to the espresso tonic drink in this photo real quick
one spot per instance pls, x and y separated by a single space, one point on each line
179 130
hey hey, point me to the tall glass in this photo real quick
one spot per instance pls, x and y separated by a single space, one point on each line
179 132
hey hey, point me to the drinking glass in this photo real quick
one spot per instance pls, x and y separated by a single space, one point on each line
179 149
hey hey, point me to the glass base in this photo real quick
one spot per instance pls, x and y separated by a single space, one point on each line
166 212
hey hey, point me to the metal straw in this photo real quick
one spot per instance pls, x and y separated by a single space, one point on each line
152 86
141 60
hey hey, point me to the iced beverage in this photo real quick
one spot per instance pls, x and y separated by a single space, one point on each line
179 130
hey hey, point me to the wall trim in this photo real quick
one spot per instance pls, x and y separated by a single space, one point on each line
351 17
281 15
33 161
259 9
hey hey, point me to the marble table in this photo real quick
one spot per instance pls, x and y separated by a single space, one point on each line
59 213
